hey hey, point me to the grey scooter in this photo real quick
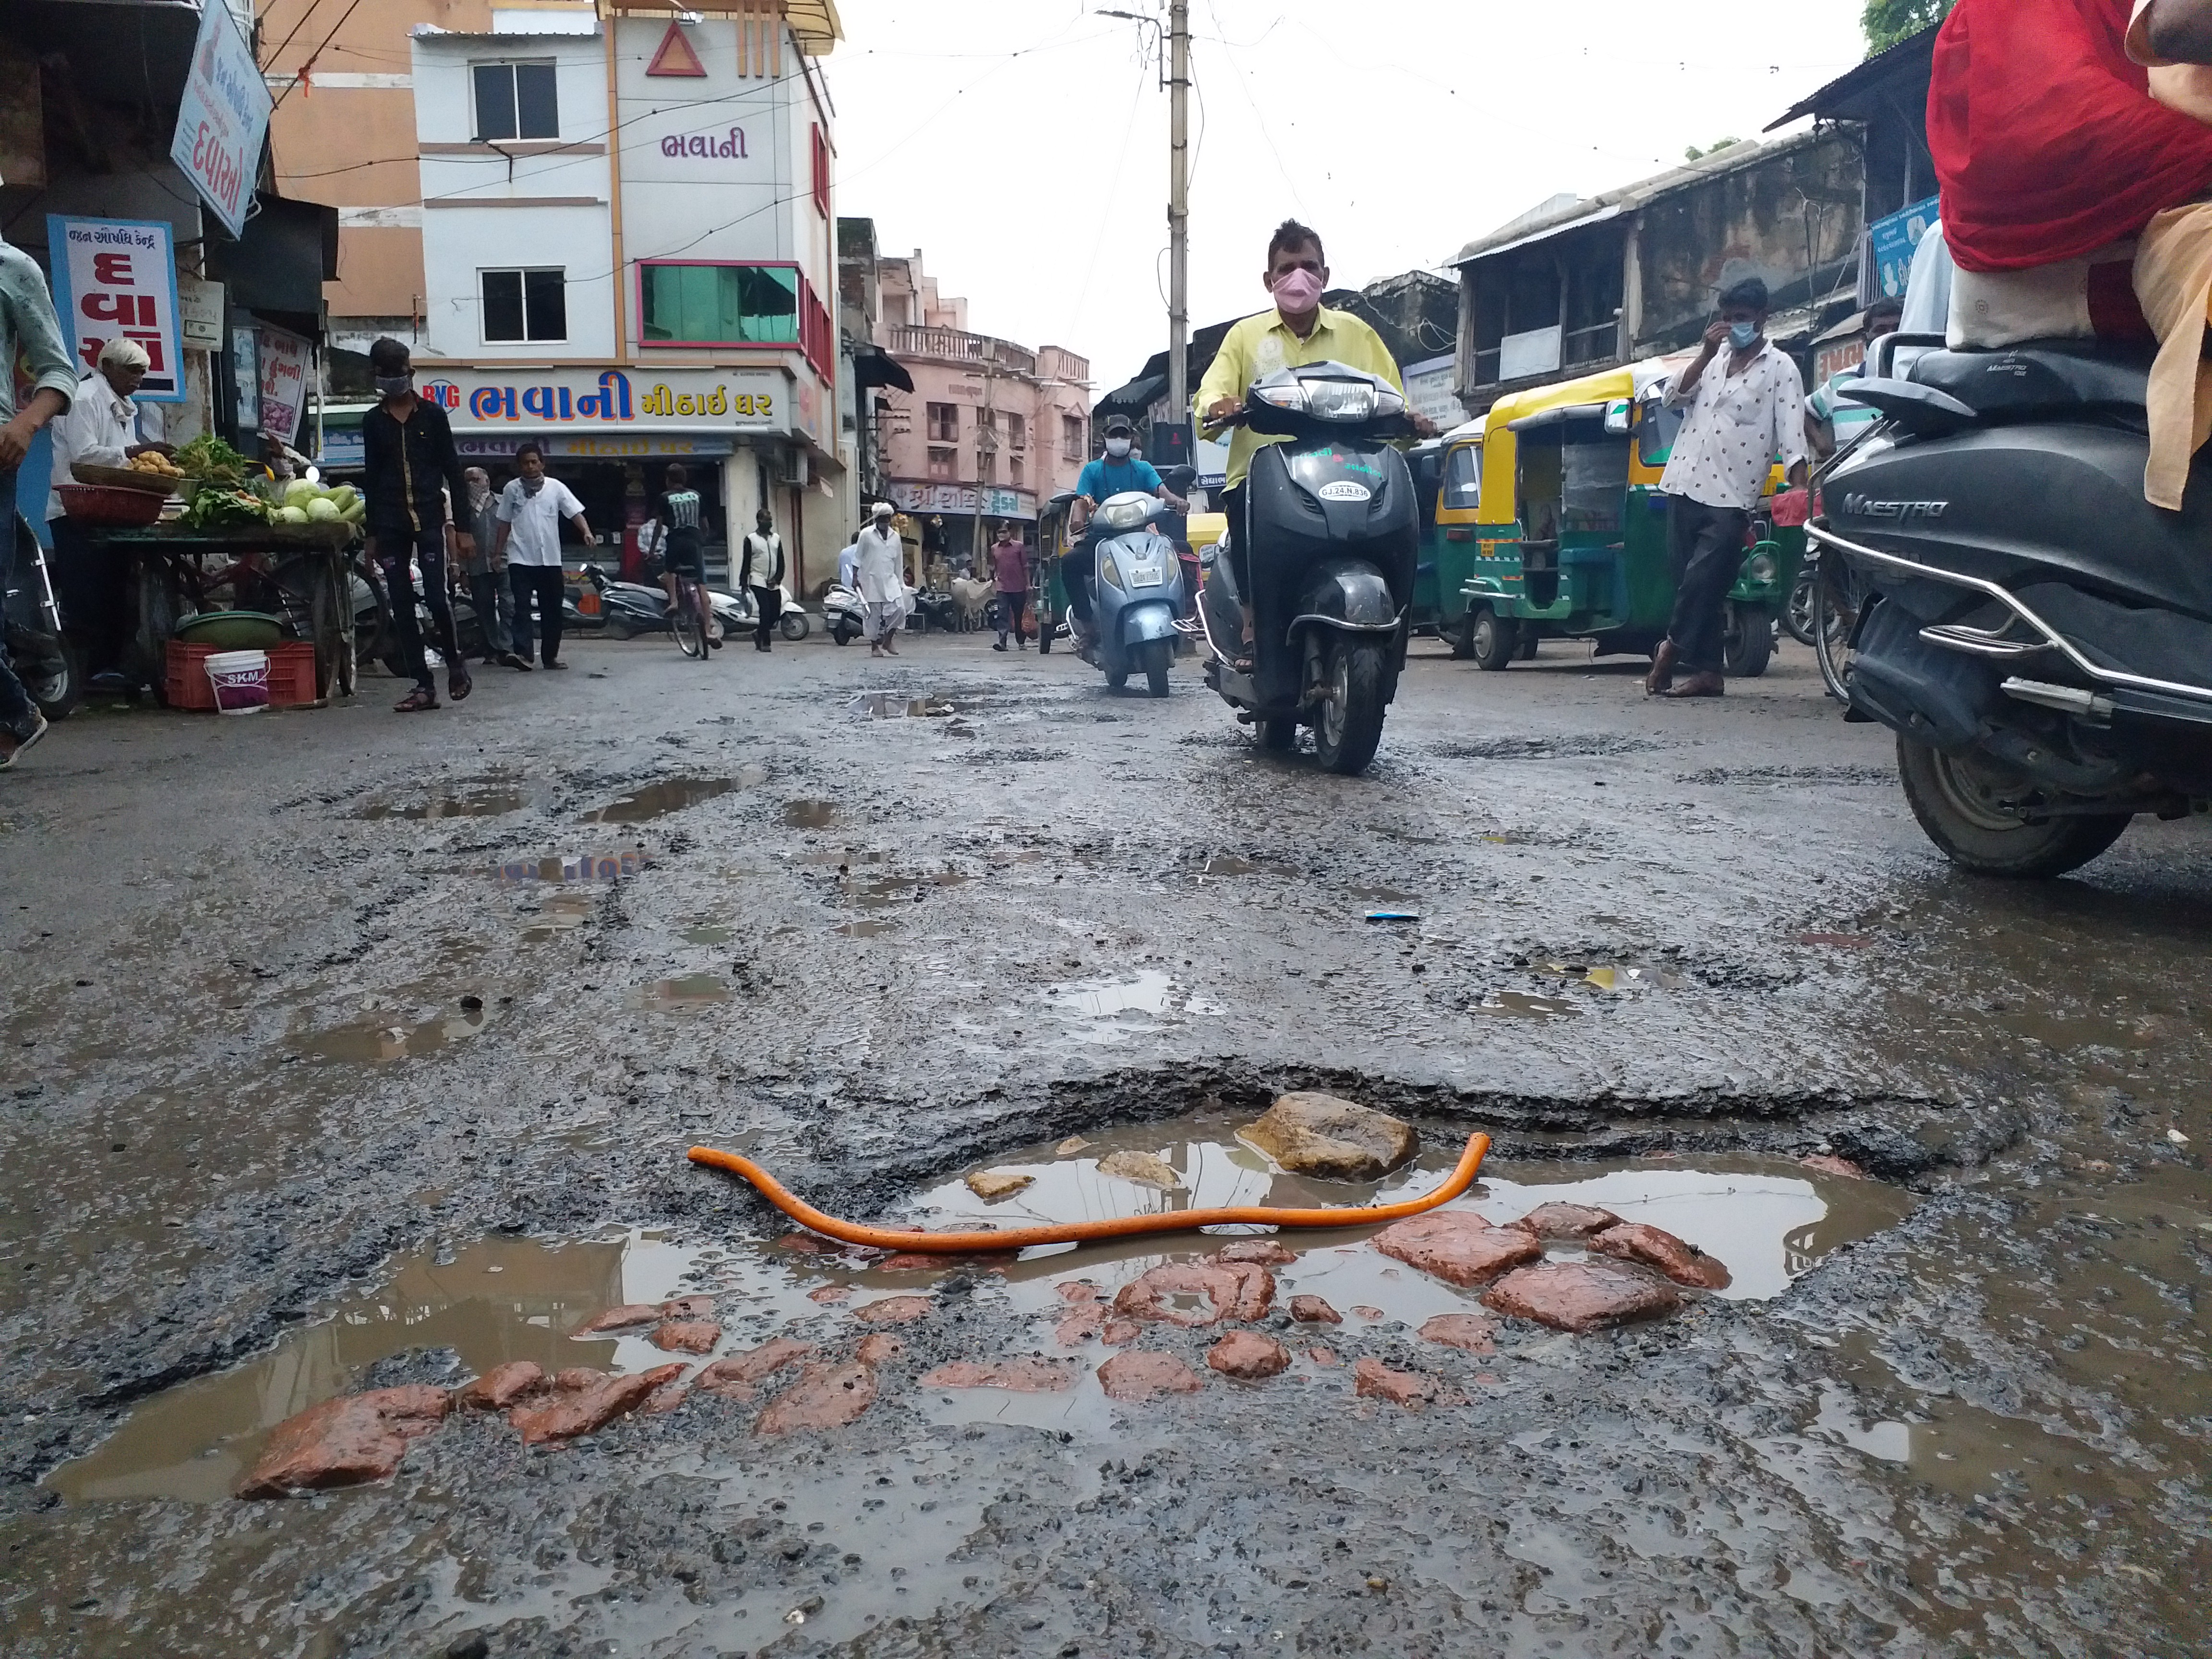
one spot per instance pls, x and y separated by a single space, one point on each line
1136 594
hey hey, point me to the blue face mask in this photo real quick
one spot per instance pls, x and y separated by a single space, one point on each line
1740 335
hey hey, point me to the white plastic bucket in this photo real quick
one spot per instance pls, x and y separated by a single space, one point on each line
240 679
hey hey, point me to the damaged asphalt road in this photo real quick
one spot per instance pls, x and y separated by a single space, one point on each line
307 1040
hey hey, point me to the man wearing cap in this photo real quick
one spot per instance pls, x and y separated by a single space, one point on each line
883 582
100 430
1115 473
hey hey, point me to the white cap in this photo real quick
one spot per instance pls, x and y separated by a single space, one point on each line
124 352
883 509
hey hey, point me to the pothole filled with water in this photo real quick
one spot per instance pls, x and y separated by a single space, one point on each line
685 991
899 706
876 893
1111 1006
809 814
487 800
386 1034
505 1299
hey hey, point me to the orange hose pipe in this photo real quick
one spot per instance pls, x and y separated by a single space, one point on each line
1070 1232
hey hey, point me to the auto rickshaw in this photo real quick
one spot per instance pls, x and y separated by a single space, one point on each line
1448 478
1046 581
1571 529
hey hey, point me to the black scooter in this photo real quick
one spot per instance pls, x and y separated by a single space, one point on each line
1334 534
2038 635
45 658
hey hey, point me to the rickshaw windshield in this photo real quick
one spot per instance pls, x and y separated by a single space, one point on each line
1594 483
1655 429
1462 481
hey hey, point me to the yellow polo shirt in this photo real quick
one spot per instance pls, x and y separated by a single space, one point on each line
1260 345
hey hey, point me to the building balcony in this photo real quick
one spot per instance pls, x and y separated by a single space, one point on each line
952 345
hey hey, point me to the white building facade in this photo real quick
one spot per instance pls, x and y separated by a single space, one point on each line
630 258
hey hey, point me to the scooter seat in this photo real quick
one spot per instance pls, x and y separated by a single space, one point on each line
2041 378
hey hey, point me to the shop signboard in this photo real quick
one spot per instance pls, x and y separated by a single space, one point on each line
550 402
1892 240
1429 391
222 118
286 359
245 378
119 276
961 498
595 446
199 305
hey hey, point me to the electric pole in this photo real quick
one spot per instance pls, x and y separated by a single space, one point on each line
1178 207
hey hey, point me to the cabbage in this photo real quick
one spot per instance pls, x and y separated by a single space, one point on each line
291 515
322 509
299 493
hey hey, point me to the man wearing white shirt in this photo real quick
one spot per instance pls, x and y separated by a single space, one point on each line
883 582
1750 409
531 509
100 430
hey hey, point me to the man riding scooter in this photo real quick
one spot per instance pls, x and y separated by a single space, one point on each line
1115 473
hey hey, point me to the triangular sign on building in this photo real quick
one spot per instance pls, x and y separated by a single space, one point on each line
676 56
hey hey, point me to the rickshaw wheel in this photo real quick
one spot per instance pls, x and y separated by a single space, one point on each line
1494 639
1746 641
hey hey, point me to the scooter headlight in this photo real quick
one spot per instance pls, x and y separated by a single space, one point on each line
1109 571
1291 394
1125 515
1762 568
1340 400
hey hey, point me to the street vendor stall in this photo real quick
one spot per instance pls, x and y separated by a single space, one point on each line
241 563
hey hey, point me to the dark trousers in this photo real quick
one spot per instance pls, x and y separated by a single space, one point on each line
1233 542
1011 605
494 603
92 580
1704 546
544 583
1077 567
17 712
429 551
769 601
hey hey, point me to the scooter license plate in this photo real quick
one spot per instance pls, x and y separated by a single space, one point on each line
1146 576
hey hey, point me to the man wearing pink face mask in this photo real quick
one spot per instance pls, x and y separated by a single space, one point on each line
1300 330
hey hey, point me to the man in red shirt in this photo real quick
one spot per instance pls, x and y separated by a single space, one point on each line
1010 575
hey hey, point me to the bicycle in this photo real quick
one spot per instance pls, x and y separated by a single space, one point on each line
691 618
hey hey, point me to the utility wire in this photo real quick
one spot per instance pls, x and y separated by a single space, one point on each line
313 55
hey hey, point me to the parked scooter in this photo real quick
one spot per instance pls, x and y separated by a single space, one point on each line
1333 532
45 658
1135 595
628 609
2039 636
843 613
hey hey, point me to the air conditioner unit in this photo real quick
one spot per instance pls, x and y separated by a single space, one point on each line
792 468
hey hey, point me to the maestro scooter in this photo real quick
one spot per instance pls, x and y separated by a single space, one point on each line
2037 635
1136 594
46 660
1333 532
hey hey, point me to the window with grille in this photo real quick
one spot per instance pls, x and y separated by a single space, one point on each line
1072 446
524 304
940 464
516 100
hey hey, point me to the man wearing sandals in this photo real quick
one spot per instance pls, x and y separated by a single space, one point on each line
531 509
412 471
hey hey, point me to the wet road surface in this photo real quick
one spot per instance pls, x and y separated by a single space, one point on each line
343 1050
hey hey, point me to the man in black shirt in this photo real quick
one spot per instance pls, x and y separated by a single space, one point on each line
682 520
411 472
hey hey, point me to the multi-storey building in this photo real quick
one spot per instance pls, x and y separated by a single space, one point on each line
990 429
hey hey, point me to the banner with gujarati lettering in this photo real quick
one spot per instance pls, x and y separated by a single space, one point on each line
119 276
222 118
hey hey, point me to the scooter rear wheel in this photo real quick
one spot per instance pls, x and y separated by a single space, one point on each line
1958 801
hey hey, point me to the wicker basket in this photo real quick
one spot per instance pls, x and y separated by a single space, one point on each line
107 504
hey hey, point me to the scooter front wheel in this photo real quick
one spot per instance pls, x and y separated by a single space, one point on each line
1351 727
1159 655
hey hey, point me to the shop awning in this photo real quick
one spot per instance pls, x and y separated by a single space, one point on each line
873 366
277 269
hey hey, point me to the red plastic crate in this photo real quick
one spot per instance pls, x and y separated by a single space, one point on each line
291 675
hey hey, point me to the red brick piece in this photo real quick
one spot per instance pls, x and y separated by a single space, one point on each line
503 1386
620 1319
825 1397
1458 1246
1469 1331
1258 1252
346 1441
1565 1220
736 1377
687 1336
1015 1376
1136 1377
1378 1382
1313 1310
895 1310
571 1412
1248 1356
1581 1295
1234 1291
1681 1261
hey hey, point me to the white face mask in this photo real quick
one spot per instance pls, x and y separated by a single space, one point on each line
1118 448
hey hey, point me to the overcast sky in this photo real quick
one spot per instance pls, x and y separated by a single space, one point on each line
1022 145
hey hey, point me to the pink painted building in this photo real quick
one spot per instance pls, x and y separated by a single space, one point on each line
990 426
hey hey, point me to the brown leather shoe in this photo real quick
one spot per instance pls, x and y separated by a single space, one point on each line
1697 685
1662 669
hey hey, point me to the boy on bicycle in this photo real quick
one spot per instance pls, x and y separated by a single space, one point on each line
683 522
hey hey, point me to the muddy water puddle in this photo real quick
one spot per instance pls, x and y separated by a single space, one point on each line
380 1038
655 800
486 800
561 914
878 893
809 814
685 991
1112 1006
899 706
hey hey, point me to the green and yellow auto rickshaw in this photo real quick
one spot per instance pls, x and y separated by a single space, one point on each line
1046 583
1448 478
1571 529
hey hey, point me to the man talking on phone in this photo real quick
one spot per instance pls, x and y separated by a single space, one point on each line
1747 405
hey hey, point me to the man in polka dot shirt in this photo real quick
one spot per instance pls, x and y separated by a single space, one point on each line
1740 418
